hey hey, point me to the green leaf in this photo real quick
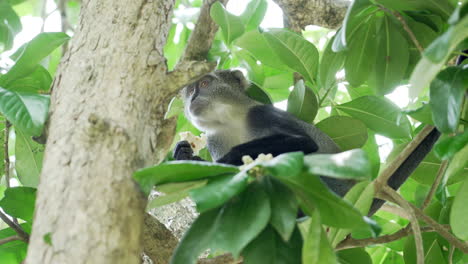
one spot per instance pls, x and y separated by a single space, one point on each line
283 207
197 239
243 219
6 37
38 80
391 59
179 171
354 255
361 56
422 114
372 150
361 196
270 248
278 85
9 17
294 51
254 14
284 165
13 252
317 248
230 25
218 191
26 111
256 44
35 50
2 153
330 64
459 212
174 192
258 94
446 95
435 56
446 148
380 115
434 254
340 42
19 202
458 165
29 155
302 102
348 133
312 194
351 164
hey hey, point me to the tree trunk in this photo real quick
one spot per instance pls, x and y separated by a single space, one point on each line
106 121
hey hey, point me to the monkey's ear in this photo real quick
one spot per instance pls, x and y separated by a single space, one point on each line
242 80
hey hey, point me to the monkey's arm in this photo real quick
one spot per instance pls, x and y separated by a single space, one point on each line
184 151
274 144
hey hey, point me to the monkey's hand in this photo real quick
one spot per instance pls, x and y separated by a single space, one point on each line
184 151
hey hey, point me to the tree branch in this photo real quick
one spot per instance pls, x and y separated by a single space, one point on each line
435 184
12 238
324 13
354 243
393 195
18 229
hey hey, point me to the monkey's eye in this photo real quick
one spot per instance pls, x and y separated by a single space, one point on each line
204 84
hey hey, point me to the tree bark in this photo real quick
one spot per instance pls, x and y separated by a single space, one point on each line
106 120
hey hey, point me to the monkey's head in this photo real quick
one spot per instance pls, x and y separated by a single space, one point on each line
212 100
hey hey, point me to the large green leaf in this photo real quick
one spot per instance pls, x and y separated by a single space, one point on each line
372 150
351 164
435 56
26 111
218 191
284 207
9 17
361 56
6 37
231 26
391 59
441 7
302 102
380 115
243 219
13 252
446 95
179 171
197 239
347 132
317 248
459 212
270 248
35 50
19 202
312 194
354 255
284 165
294 51
29 156
256 44
38 80
2 142
361 196
174 192
422 114
330 64
446 148
458 166
340 42
253 14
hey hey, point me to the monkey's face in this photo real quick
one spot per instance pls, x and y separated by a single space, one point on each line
213 99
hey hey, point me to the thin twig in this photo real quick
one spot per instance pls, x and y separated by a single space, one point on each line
450 256
18 229
395 210
393 195
438 179
354 243
43 14
442 230
405 27
6 155
9 239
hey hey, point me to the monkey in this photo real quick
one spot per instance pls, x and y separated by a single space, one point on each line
237 125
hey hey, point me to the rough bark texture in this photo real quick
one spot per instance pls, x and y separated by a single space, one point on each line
158 241
107 108
324 13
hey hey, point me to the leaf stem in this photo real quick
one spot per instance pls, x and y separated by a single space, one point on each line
19 230
9 239
438 179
